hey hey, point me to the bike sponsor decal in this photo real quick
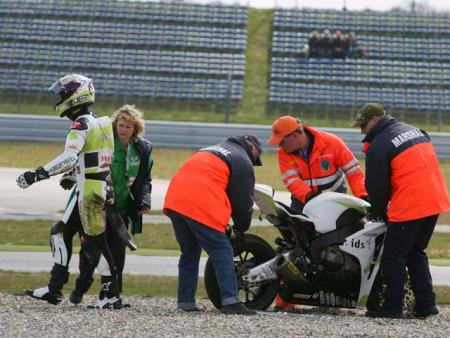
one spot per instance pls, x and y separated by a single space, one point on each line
359 244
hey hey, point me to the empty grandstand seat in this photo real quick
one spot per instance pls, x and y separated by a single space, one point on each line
189 47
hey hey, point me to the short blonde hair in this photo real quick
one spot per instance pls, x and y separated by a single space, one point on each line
130 115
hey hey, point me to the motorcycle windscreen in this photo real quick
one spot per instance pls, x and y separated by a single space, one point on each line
263 197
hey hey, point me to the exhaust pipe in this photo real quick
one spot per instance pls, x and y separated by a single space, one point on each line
286 269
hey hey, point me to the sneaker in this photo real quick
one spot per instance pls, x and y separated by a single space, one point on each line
422 314
109 303
45 294
76 297
190 309
385 314
237 309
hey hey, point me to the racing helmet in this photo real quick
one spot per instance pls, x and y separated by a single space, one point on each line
74 91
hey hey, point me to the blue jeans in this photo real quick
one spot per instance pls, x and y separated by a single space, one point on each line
192 237
404 246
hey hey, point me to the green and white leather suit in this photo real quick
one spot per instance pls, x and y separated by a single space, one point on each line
89 148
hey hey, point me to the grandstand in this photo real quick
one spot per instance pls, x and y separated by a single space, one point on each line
406 66
145 49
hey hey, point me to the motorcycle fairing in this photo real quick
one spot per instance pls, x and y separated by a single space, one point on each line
362 246
325 209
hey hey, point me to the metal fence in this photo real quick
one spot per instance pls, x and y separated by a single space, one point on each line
15 127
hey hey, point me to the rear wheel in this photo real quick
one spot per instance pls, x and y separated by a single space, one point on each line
256 296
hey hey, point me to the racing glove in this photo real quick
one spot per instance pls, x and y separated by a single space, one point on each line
32 176
68 180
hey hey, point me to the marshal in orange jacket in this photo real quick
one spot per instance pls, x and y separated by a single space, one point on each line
329 161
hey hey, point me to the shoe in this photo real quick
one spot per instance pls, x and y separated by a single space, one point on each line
237 309
194 309
422 314
112 303
76 297
45 294
385 314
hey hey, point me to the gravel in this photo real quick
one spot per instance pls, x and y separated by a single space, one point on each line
157 317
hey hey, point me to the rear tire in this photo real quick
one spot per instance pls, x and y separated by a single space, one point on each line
259 296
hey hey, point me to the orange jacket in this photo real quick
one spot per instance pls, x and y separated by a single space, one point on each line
198 191
214 185
402 172
328 161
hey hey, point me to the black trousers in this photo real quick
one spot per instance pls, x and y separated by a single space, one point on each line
116 247
404 247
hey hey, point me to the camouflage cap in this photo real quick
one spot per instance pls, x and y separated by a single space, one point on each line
368 111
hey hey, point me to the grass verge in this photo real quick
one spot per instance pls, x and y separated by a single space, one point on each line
156 239
137 285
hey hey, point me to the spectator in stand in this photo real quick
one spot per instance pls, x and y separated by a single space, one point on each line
313 44
326 45
339 43
352 47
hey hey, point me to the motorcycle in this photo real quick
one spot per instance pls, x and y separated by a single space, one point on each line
329 256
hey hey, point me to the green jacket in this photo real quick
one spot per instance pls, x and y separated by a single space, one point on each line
131 177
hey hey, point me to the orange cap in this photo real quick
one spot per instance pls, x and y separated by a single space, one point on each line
282 127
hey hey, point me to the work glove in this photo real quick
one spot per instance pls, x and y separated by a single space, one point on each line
32 176
311 195
146 203
68 180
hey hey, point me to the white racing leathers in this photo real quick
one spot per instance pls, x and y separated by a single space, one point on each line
88 151
89 148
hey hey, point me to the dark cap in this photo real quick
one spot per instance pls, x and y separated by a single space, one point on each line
257 143
368 111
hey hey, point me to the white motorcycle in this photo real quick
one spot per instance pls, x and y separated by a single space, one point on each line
328 256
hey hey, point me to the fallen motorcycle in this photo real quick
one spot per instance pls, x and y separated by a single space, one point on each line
329 255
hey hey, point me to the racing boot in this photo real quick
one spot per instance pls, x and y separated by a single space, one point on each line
81 287
108 297
44 293
76 296
52 292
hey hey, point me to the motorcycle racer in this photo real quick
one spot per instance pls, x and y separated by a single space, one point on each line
87 154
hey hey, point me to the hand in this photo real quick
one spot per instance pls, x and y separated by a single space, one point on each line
145 208
68 180
31 176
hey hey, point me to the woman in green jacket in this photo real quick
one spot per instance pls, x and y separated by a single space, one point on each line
131 179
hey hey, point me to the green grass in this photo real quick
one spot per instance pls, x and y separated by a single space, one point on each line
31 155
156 239
137 285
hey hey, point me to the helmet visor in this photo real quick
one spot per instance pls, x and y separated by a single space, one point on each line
56 87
